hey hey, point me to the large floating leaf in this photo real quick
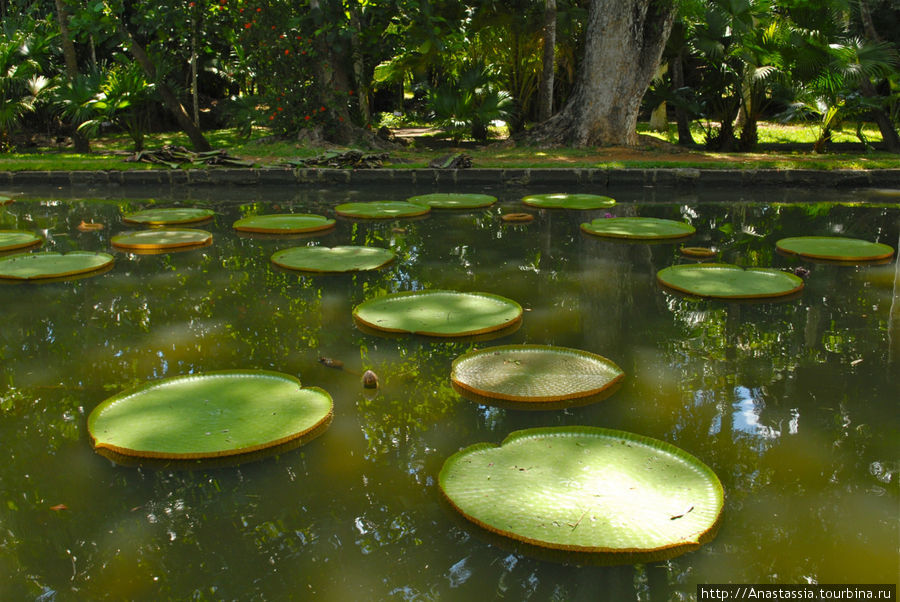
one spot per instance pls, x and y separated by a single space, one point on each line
284 223
159 240
725 281
451 200
439 313
169 216
835 248
5 199
49 264
208 415
11 240
381 209
641 228
534 373
333 259
587 489
569 201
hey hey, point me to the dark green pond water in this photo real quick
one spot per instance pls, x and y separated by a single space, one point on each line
793 403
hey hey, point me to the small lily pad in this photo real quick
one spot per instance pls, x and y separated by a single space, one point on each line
439 313
587 489
208 415
381 209
726 281
517 218
49 264
534 373
333 259
639 228
160 240
697 252
835 248
451 200
284 223
569 201
10 240
5 200
169 216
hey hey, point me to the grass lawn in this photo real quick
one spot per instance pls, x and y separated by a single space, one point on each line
781 147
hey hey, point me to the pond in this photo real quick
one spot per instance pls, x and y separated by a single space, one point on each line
792 403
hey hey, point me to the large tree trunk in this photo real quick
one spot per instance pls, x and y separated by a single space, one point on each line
885 125
187 125
82 145
676 68
623 47
548 62
331 84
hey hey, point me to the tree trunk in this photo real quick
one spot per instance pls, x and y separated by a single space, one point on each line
187 125
888 133
359 76
331 84
82 145
676 68
548 62
623 45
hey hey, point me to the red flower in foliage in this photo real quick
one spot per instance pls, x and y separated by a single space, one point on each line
302 52
259 10
287 52
192 4
272 116
306 118
222 1
280 109
322 109
246 26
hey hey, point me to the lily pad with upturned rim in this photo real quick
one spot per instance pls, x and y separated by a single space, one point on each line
726 281
835 248
381 209
534 373
11 240
453 200
638 228
569 201
160 240
284 223
50 264
333 259
168 216
208 415
697 252
587 489
439 313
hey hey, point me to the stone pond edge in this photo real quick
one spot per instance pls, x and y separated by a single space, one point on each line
586 177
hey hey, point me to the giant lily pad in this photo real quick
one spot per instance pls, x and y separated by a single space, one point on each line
639 228
160 240
11 240
534 373
439 313
587 489
451 200
726 281
381 209
284 223
835 248
49 264
569 201
169 216
208 415
332 259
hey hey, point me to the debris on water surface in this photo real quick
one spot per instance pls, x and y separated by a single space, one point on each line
370 380
331 363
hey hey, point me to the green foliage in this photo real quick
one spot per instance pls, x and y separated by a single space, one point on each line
470 100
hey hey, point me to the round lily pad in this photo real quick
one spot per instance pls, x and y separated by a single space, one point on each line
640 228
517 217
5 199
333 259
697 252
49 264
381 209
726 281
160 240
835 248
208 415
569 201
284 223
587 489
534 373
11 240
169 216
439 313
451 200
